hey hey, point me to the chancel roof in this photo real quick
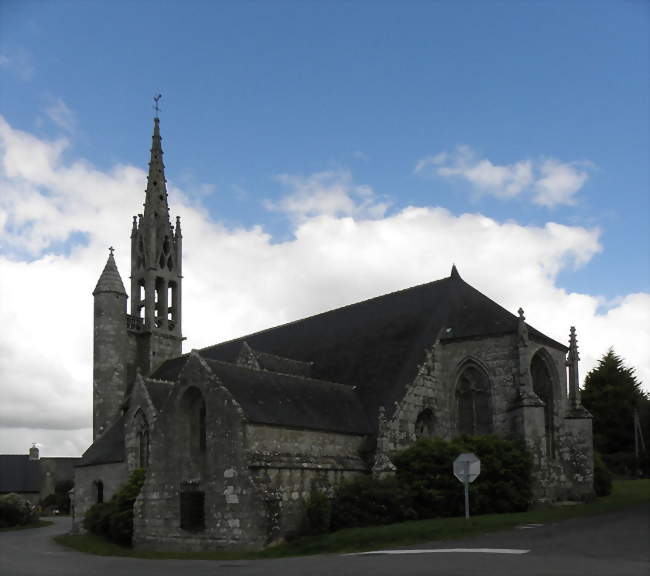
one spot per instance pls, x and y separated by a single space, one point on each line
292 400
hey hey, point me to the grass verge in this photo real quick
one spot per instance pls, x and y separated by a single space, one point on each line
626 493
38 524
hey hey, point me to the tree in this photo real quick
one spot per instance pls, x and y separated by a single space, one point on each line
612 393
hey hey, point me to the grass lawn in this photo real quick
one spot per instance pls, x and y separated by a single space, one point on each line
626 493
38 524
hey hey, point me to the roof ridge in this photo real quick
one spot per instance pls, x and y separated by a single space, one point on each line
324 312
293 376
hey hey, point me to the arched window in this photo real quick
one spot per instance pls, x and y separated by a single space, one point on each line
543 387
99 491
424 424
193 423
474 408
142 440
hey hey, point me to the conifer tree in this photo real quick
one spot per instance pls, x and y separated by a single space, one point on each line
612 393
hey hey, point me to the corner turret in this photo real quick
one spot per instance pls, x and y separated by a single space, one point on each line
109 346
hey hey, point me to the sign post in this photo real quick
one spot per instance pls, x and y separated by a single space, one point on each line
467 467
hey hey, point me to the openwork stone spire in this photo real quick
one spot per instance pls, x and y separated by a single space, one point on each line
156 261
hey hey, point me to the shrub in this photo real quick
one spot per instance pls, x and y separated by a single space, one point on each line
365 501
505 483
16 511
316 515
114 519
602 477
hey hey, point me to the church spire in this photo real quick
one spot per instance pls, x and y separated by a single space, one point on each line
156 264
156 209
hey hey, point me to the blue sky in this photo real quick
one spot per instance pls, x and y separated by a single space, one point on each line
278 114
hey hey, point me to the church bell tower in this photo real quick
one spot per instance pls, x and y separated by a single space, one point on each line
156 265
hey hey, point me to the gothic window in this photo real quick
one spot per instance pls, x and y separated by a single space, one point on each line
142 440
543 387
99 491
474 408
424 424
192 510
193 423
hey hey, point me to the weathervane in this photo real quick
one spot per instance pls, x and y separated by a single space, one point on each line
155 106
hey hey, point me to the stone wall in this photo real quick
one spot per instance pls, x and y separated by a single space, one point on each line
233 509
287 464
562 461
113 476
434 388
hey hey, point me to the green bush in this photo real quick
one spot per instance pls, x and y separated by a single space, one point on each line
505 483
16 511
114 519
316 515
602 477
365 501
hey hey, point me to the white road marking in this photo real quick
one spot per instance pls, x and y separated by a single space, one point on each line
445 551
527 526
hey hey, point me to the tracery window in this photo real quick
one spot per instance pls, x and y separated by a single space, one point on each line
474 406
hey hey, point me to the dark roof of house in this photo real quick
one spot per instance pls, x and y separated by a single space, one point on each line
377 345
19 474
290 400
108 448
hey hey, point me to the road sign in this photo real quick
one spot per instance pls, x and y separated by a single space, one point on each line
467 467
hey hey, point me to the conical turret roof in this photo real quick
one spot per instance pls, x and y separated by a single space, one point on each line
110 280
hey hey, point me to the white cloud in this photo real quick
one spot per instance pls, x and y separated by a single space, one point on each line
549 181
559 183
62 116
244 281
331 193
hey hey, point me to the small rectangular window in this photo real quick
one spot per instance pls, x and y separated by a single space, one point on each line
193 510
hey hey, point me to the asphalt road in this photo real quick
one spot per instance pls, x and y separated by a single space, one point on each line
613 545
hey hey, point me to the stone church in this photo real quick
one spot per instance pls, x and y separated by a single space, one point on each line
234 436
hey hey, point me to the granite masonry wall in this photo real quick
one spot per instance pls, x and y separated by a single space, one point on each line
216 467
287 464
112 476
562 461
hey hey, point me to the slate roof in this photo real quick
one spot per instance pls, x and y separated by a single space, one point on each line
19 474
377 345
108 448
110 279
291 400
276 363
